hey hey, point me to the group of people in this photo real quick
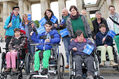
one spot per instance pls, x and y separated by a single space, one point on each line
74 31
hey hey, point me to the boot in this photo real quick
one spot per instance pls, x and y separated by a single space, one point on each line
112 63
102 63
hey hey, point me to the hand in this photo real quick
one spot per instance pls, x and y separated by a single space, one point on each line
84 46
95 37
31 33
47 40
72 39
74 49
105 45
10 24
55 25
103 39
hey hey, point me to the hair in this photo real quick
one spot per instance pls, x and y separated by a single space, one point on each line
78 32
98 12
24 15
15 7
111 6
73 7
49 11
49 23
16 29
102 25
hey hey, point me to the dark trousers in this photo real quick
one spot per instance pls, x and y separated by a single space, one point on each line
7 40
88 60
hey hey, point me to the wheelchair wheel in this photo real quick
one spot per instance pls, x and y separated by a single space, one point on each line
60 66
0 62
27 63
19 76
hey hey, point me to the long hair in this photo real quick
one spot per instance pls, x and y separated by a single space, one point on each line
49 11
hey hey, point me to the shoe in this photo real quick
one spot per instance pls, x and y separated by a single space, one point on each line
44 72
102 63
90 77
14 70
67 66
112 63
79 77
7 70
35 73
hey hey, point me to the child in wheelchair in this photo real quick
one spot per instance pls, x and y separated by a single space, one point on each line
16 44
77 46
104 43
45 40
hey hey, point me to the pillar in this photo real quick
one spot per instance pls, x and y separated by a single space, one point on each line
5 10
62 4
21 7
45 4
79 4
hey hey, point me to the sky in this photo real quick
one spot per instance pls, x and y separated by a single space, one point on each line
36 8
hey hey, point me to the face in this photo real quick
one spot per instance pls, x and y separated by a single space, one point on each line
48 13
17 34
112 10
25 18
103 29
64 13
80 38
98 16
16 11
48 27
83 13
73 12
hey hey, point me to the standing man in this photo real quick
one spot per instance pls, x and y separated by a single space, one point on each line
12 22
66 38
113 20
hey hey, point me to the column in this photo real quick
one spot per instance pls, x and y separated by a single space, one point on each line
5 10
44 6
79 4
62 4
21 7
109 2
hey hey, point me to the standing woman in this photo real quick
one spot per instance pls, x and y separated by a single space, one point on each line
49 17
28 27
77 21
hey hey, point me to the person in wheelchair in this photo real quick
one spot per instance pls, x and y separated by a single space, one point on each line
45 40
105 43
77 46
16 44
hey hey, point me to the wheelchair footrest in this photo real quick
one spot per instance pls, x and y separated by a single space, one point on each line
42 76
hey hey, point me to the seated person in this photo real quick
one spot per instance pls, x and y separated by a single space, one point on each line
104 43
16 44
46 39
77 46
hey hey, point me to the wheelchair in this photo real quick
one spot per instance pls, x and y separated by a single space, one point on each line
72 67
22 62
116 57
56 65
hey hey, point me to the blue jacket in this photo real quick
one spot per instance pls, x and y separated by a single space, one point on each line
40 38
15 24
80 46
100 36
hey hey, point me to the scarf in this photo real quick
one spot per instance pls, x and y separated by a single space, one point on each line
74 17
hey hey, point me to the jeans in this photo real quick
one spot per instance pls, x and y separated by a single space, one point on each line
66 41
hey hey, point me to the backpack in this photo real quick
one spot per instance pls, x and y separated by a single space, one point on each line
11 17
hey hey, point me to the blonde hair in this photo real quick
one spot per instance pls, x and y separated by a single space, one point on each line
25 15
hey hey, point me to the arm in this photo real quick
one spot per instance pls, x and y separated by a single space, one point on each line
98 40
72 45
7 23
10 44
56 38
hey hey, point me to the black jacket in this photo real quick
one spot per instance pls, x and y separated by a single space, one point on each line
96 26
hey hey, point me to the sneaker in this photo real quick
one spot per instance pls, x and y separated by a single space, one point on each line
90 77
112 63
44 72
7 70
67 66
14 70
102 63
35 73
